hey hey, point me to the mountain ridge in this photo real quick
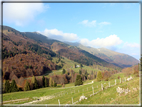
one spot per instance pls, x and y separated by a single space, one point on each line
110 56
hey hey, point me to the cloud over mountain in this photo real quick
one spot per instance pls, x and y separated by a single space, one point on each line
59 35
109 41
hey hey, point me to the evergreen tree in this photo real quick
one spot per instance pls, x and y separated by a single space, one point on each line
43 81
27 86
7 86
50 82
80 72
46 84
13 86
55 84
74 65
64 71
81 66
35 83
99 76
78 80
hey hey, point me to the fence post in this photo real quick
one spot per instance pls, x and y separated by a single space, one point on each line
93 90
120 80
102 86
72 100
59 102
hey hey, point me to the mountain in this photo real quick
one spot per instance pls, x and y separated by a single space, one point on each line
16 42
116 58
24 56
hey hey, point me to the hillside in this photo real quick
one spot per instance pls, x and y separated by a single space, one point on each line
54 46
109 95
24 56
118 59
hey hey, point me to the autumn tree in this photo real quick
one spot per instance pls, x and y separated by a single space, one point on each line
13 86
27 86
99 76
78 80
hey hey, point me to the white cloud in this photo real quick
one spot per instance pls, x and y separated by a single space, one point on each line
93 23
132 45
109 41
22 13
89 24
59 35
104 23
132 49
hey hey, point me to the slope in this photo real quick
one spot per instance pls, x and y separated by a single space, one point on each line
118 59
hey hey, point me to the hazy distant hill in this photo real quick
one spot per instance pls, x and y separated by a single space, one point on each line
119 59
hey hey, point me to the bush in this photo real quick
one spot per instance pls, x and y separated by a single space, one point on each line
118 77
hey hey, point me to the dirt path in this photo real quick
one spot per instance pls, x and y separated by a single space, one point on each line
15 100
39 99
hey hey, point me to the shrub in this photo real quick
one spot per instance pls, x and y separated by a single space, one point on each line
118 77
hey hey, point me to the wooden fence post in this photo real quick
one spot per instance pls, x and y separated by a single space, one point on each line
102 86
93 90
59 102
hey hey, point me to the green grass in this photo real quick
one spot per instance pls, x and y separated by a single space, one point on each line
68 64
108 96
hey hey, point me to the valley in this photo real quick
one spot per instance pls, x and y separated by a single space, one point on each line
40 70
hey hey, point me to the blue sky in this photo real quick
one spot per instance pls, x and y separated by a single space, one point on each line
115 26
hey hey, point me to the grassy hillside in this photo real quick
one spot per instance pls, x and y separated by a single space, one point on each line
108 96
118 59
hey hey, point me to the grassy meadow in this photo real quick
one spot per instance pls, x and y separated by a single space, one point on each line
65 94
